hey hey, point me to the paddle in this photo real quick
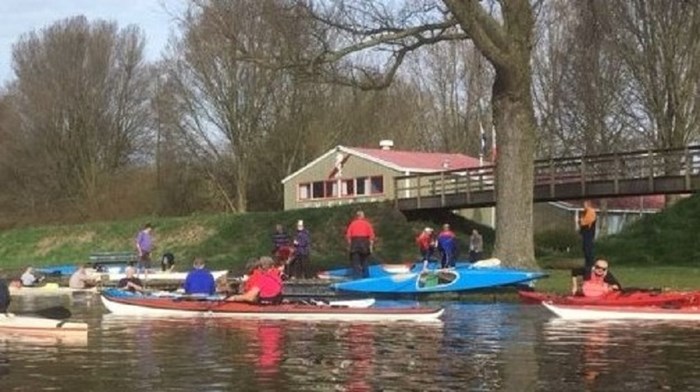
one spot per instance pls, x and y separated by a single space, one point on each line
55 312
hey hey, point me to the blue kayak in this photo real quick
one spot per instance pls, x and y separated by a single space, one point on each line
461 278
379 270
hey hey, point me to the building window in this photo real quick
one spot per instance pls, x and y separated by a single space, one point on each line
317 190
331 189
361 186
304 191
377 185
348 188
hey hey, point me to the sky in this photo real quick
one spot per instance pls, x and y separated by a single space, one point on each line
155 17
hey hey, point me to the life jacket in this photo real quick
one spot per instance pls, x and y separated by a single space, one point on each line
424 241
595 286
269 283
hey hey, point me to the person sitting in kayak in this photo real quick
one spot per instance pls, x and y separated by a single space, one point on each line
426 246
130 282
81 279
199 280
29 279
264 286
598 282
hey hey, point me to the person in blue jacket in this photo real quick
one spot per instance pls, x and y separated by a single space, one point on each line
302 250
199 280
447 245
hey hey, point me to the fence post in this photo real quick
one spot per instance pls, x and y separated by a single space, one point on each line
418 191
616 174
442 188
651 170
688 167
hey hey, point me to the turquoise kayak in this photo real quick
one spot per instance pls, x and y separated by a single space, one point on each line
461 278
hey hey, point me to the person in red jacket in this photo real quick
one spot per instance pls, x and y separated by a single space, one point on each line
426 245
360 238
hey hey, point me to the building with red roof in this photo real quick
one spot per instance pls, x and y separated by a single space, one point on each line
356 174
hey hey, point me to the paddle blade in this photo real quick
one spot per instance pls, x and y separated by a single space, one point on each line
56 312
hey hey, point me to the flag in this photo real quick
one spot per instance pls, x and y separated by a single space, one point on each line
337 171
493 144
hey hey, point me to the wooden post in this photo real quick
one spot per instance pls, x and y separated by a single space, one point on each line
418 190
442 188
650 161
688 167
551 178
616 173
469 185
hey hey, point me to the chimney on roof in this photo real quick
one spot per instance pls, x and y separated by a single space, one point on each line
386 144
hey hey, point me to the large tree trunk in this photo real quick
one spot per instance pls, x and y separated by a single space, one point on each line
515 124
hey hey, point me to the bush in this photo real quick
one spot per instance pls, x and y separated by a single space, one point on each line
556 241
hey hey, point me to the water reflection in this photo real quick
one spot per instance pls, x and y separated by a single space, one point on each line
479 347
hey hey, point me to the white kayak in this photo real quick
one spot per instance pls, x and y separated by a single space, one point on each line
158 275
49 289
590 312
125 304
39 326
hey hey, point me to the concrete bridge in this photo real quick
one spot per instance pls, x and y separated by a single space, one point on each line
635 173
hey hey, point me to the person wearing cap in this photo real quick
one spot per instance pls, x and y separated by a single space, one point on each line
302 249
264 285
199 280
360 237
426 245
447 244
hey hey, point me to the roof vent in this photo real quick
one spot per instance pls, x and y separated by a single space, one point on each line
386 144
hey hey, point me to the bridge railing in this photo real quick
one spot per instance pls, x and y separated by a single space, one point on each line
615 167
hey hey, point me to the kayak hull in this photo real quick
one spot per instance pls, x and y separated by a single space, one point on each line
37 326
381 270
48 290
154 306
591 312
633 299
446 280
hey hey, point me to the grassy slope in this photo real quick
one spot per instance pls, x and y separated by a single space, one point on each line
226 241
656 251
669 238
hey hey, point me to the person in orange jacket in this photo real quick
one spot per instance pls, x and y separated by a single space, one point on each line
587 223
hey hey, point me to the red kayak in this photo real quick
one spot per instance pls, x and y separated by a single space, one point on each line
616 298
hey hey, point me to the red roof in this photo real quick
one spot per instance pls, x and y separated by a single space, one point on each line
420 160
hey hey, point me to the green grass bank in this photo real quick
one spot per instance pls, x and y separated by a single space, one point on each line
656 251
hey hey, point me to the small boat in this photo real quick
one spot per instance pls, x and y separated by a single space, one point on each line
616 298
48 289
39 326
437 281
112 267
136 305
593 312
380 270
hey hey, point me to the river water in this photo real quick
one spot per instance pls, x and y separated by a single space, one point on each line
478 347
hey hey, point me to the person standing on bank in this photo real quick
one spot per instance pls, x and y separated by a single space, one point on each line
476 246
360 237
426 246
144 247
586 223
280 241
447 244
302 249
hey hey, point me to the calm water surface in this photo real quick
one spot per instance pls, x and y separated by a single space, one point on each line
479 347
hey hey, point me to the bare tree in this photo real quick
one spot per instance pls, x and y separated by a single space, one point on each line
81 92
583 91
501 30
658 42
229 104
